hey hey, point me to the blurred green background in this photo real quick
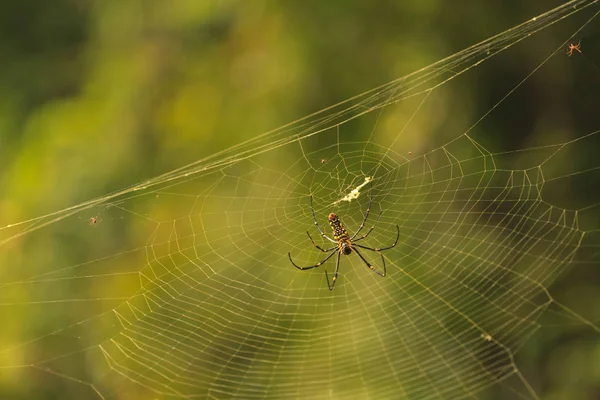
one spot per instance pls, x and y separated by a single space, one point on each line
96 96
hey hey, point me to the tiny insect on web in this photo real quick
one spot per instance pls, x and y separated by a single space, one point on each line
345 244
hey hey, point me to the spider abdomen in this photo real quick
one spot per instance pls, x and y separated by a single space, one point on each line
339 232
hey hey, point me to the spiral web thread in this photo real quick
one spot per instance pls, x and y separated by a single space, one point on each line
206 304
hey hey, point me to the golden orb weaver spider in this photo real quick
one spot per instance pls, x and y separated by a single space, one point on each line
344 243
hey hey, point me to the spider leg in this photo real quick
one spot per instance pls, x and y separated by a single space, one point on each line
335 274
371 267
312 266
319 247
366 213
377 249
317 224
370 230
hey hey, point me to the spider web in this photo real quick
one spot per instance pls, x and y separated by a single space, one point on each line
206 304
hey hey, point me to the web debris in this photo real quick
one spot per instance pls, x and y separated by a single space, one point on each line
355 192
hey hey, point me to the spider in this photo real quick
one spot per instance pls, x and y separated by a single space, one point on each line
573 47
344 244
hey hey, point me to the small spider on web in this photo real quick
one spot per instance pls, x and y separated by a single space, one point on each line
574 47
344 244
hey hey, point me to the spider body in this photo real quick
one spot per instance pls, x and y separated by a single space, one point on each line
574 47
340 234
345 244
